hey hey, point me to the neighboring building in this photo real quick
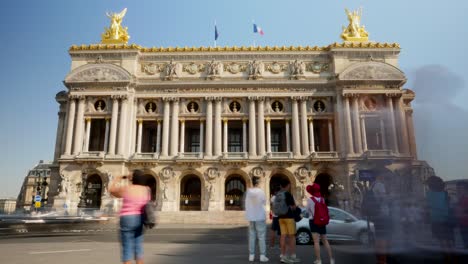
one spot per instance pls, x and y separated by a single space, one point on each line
451 188
7 205
202 121
35 183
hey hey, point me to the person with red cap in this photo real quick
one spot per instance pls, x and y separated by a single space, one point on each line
317 230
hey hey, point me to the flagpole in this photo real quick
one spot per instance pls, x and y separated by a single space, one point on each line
253 23
215 33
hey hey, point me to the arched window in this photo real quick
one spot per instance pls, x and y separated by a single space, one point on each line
234 192
190 193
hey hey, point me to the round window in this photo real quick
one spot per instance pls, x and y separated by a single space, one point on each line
150 107
100 105
319 106
277 106
234 106
192 107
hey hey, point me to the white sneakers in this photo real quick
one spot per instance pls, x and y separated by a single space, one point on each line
263 258
318 261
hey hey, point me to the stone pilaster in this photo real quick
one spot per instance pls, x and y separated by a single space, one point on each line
252 130
295 128
209 128
165 134
261 126
391 116
123 127
114 121
175 127
348 126
304 132
217 127
357 129
78 140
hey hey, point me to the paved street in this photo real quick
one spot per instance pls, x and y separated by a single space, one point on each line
167 244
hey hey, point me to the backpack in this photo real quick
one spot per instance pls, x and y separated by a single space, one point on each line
279 205
321 216
369 206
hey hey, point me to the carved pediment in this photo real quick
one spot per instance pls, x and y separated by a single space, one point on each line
374 71
98 73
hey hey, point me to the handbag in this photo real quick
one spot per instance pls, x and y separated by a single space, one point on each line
149 215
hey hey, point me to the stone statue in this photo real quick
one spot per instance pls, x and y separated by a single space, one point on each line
354 31
165 192
211 191
297 68
115 34
214 69
64 186
171 70
110 178
255 69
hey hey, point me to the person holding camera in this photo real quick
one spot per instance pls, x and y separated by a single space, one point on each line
134 198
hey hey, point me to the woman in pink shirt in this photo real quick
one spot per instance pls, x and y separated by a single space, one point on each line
135 196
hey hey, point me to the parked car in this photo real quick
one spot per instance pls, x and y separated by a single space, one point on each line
343 226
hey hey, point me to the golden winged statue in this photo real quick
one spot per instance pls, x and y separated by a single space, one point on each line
115 34
354 31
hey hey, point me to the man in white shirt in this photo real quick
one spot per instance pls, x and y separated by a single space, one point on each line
255 213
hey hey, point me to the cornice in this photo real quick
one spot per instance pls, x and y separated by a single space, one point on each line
345 45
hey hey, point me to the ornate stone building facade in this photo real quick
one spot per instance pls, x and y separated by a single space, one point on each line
35 183
202 121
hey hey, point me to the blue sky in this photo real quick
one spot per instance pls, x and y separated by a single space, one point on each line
36 36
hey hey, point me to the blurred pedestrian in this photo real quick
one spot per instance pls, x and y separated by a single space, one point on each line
135 196
275 228
255 213
462 211
318 230
380 216
284 206
440 214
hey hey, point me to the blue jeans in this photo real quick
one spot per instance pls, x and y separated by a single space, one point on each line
257 229
131 237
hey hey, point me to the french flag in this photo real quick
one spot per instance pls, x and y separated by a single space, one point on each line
257 29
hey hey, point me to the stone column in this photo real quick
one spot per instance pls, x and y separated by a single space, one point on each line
363 133
295 128
202 134
225 135
252 130
392 124
268 135
114 121
106 135
244 134
140 135
304 134
165 133
209 128
330 135
340 123
88 134
348 126
123 126
218 128
311 135
383 134
357 129
58 138
405 146
70 125
78 143
182 136
288 135
175 127
412 139
261 127
158 137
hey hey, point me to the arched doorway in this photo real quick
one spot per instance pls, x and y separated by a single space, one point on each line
93 191
325 180
190 193
151 183
275 182
234 191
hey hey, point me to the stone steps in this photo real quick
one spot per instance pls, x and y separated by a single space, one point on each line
202 217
